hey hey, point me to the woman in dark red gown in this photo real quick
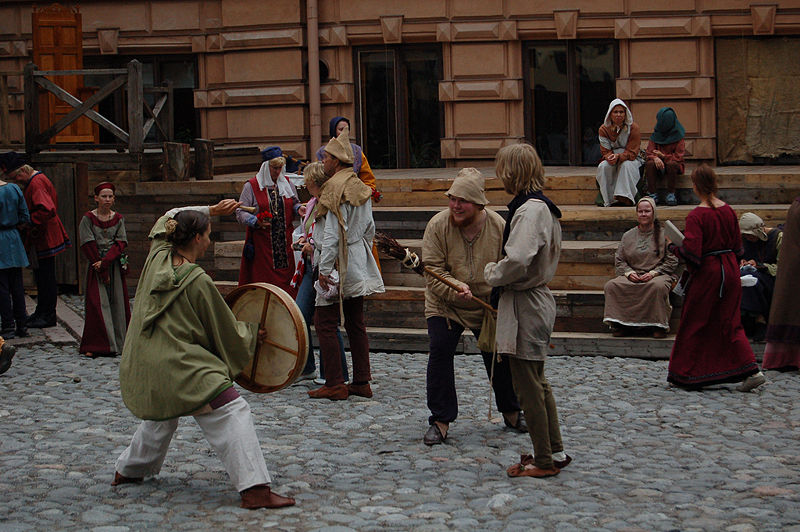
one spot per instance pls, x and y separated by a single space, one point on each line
711 347
267 256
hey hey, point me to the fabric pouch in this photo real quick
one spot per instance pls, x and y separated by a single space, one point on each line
486 341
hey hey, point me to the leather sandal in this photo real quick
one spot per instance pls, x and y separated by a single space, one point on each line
434 435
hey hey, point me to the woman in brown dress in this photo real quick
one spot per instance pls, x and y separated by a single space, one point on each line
639 296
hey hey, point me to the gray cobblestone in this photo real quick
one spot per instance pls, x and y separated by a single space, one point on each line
646 456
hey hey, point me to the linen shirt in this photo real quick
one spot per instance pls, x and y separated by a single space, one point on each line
527 310
449 254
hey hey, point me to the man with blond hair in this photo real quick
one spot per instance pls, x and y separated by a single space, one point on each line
527 310
459 241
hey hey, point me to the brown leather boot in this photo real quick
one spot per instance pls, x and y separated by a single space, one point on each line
120 479
334 393
262 497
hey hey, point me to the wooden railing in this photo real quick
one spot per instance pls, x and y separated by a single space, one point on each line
141 117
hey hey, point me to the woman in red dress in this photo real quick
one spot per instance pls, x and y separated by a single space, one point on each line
711 347
267 256
103 242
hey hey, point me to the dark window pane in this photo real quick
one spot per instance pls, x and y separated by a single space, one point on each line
548 77
378 108
422 86
595 63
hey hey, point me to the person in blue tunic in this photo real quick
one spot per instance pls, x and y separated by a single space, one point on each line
13 213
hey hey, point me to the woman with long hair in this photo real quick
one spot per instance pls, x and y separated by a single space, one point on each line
711 347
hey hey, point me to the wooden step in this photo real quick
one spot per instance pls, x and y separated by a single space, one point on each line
561 344
579 222
577 185
576 310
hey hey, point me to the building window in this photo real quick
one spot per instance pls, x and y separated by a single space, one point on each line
568 86
156 70
398 110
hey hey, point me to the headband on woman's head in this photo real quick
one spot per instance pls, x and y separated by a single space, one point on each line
104 185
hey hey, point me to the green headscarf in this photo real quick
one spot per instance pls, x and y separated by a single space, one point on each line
668 129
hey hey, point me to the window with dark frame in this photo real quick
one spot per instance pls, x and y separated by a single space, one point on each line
180 70
568 86
398 112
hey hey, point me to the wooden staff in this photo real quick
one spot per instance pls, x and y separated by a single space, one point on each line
389 246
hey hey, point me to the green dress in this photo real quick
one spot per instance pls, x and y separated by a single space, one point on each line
184 345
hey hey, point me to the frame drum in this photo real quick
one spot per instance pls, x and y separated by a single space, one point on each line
279 359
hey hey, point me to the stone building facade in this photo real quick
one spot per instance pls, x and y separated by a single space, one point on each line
449 82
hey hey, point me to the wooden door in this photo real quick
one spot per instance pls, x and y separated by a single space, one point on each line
58 45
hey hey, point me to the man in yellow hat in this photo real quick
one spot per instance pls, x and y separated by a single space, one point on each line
459 241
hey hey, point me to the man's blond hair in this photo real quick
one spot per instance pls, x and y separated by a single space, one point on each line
519 168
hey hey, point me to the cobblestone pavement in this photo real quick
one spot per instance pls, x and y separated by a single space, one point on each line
646 456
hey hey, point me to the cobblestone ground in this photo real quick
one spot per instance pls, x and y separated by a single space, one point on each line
646 457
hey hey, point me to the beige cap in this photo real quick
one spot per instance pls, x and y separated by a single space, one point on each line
751 224
340 147
469 185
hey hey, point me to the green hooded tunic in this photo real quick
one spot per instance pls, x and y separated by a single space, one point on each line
184 345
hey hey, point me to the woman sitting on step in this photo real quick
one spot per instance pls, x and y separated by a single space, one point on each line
639 296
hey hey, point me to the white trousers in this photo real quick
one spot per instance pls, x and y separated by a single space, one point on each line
230 431
618 180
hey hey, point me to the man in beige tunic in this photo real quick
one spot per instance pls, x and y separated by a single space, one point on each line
458 242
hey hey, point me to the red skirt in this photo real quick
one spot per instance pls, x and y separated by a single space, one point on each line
711 346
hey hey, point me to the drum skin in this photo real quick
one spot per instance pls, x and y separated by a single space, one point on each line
280 359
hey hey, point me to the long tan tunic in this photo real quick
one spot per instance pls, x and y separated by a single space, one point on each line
527 310
640 304
449 254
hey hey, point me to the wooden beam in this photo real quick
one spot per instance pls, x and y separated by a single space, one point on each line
135 101
154 117
90 71
31 110
82 108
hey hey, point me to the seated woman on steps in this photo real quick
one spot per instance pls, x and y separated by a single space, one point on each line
618 172
639 296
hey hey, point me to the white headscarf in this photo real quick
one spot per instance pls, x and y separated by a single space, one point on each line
285 187
628 114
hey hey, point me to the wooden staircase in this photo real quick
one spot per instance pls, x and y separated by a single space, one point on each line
590 236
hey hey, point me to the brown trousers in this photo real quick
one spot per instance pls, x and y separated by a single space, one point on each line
326 321
539 405
670 173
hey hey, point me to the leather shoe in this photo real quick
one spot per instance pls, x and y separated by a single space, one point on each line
520 470
520 425
41 323
7 353
22 332
434 435
334 393
527 459
8 334
361 390
262 497
121 479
